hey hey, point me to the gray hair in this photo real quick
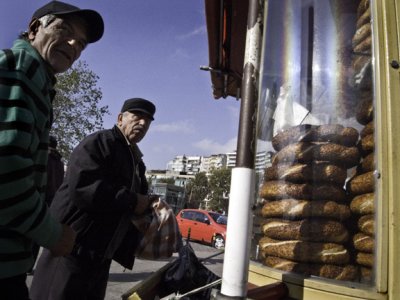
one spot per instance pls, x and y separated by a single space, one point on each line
44 21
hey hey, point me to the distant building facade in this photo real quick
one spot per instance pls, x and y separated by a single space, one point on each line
156 176
191 165
262 160
178 164
171 182
216 161
185 164
231 159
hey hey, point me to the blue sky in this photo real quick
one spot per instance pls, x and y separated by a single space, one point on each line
152 49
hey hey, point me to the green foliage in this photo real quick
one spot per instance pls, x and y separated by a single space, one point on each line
214 188
76 110
219 183
197 190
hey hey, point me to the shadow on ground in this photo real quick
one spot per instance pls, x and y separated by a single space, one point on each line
128 277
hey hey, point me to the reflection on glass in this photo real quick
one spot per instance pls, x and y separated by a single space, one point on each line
218 218
315 208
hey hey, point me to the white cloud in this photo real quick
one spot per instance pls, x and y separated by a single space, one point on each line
213 147
197 31
184 126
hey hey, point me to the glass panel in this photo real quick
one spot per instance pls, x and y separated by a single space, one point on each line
188 215
315 204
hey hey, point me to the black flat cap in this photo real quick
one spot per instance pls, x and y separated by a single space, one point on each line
139 104
95 24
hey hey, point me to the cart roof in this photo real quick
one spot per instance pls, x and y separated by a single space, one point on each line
226 27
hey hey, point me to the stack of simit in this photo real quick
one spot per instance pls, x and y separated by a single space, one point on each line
305 201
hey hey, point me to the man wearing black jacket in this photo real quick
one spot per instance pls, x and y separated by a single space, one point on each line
105 185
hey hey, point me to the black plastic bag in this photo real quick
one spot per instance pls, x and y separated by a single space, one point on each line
187 273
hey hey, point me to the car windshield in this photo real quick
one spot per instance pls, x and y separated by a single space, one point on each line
218 218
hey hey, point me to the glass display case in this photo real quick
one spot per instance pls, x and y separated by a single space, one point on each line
319 84
324 200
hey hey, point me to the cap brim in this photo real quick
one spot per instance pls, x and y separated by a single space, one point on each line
95 24
142 111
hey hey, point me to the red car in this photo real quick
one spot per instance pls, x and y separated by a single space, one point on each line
205 226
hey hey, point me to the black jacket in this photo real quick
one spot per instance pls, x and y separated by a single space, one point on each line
102 179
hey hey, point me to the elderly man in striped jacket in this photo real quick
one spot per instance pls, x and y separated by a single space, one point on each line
56 36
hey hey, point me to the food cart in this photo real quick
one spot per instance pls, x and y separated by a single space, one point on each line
319 85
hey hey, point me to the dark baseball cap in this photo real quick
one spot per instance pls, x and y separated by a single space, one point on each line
95 24
139 104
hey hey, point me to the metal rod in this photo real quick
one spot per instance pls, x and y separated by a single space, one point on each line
247 123
240 220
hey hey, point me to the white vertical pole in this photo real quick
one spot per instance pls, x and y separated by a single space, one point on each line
236 258
240 219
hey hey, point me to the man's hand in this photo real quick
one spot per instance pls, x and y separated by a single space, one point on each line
143 203
65 243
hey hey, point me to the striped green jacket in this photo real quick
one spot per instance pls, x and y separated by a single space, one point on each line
26 92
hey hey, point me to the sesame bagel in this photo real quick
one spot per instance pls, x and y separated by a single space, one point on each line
333 133
300 251
364 18
361 184
301 173
367 144
362 7
368 129
273 190
305 152
295 209
361 34
364 46
367 163
365 109
363 243
366 274
366 224
363 204
314 230
365 259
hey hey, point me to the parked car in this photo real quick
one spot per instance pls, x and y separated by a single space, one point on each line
204 226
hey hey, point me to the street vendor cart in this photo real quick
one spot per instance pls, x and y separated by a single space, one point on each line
319 85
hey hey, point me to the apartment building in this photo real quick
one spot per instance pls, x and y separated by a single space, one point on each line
215 161
191 165
185 164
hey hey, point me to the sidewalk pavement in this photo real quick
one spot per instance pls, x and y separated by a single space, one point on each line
121 280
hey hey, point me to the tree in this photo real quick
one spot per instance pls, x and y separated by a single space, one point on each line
196 190
76 110
219 184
